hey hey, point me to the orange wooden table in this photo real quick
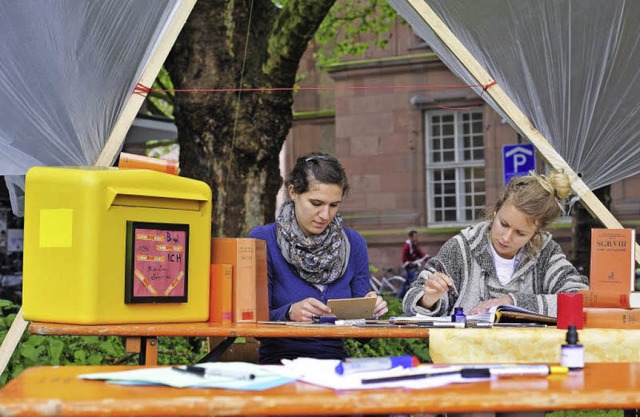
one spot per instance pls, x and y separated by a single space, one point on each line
49 391
142 338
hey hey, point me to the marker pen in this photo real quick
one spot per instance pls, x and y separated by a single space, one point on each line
507 371
442 324
324 319
375 364
206 372
527 370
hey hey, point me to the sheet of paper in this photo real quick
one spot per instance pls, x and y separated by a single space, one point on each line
321 372
265 378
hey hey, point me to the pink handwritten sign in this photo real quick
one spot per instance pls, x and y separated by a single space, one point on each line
157 259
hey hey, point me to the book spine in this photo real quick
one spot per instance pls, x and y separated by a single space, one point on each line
605 299
611 318
220 301
245 282
262 285
240 253
129 160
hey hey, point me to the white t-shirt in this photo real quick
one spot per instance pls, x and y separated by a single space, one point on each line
504 267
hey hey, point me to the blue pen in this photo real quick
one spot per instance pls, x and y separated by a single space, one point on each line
375 364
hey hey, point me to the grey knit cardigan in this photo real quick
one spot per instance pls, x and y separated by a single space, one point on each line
466 258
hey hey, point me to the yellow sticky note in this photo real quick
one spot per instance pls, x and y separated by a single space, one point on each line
56 228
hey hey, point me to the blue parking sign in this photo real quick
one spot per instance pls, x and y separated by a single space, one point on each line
518 160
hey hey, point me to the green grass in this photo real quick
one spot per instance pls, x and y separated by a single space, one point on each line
589 413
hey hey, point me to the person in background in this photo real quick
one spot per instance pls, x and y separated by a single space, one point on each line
312 257
410 254
507 259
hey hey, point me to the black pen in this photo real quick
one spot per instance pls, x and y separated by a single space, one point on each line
441 324
443 268
465 373
519 325
206 372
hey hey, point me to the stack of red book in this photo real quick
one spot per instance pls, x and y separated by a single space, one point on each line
612 300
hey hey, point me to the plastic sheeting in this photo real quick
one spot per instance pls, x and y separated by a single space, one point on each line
571 66
67 68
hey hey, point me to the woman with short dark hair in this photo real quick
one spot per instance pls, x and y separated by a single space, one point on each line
312 257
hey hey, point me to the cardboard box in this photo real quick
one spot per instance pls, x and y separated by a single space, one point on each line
104 246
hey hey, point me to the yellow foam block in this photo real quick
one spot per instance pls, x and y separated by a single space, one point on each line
103 246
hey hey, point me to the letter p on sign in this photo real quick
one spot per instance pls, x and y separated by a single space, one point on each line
518 160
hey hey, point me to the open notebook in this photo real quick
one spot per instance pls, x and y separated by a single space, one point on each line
497 314
511 314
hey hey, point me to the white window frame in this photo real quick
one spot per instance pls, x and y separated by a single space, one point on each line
458 165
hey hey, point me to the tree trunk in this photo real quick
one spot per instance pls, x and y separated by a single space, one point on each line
583 222
232 140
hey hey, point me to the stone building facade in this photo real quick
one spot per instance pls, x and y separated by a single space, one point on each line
424 157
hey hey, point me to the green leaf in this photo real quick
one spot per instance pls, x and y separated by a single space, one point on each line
94 359
55 350
29 352
80 357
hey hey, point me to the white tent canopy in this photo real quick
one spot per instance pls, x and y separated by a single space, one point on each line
571 66
67 71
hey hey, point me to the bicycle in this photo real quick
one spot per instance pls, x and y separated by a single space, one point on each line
418 263
388 284
412 267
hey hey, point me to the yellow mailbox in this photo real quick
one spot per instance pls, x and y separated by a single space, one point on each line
105 245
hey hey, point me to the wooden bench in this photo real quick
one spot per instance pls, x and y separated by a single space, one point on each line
143 338
49 391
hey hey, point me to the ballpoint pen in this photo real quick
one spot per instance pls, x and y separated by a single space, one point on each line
207 372
478 372
407 377
443 269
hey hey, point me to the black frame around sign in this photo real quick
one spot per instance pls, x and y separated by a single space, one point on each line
132 227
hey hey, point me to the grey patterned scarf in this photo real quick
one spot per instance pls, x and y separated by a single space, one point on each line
318 259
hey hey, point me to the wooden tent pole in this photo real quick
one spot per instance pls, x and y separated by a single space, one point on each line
591 202
114 143
11 340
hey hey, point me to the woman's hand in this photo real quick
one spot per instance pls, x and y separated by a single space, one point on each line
381 305
435 286
305 310
487 304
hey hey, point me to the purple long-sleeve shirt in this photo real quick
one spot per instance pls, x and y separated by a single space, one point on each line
286 288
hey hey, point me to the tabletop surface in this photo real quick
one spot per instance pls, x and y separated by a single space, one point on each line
233 330
45 391
522 345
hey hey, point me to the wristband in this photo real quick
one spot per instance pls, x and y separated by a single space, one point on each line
287 315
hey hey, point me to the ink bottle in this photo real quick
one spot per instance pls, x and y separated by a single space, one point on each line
572 353
458 316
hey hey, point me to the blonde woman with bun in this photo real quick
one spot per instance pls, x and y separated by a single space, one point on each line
509 258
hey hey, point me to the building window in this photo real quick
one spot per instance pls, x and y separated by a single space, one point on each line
455 166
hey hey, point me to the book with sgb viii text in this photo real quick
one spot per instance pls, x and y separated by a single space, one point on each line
612 260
